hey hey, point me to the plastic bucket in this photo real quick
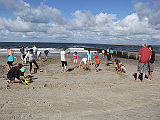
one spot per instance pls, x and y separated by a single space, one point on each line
27 81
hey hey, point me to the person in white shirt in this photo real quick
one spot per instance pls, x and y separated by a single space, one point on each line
103 52
84 62
63 60
31 59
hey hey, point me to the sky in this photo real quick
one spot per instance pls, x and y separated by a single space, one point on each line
80 21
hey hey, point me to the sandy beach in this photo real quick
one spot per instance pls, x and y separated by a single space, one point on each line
80 95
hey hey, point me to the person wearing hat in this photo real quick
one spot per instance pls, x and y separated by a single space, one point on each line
32 59
97 62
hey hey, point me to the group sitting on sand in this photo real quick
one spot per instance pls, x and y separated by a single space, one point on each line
146 62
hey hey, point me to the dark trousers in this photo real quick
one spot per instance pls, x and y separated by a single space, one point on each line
30 63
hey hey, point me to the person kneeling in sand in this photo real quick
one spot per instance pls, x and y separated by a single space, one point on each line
118 65
14 74
123 69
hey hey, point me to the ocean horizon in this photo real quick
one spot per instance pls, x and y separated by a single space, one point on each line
55 48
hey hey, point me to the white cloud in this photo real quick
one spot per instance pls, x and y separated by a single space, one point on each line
44 23
28 13
82 21
104 18
152 15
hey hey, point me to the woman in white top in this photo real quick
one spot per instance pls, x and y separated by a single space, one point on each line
31 59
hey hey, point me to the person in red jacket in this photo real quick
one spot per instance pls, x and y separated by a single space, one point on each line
144 55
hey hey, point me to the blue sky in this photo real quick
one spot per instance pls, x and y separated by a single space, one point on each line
81 21
121 8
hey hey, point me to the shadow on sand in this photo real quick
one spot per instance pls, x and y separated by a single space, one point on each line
140 76
70 69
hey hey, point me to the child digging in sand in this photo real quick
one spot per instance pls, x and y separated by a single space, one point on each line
97 62
123 69
84 62
118 65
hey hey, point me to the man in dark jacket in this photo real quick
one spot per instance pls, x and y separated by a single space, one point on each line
151 64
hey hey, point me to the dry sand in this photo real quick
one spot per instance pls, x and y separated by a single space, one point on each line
80 95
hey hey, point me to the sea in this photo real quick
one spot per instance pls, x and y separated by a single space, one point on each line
55 48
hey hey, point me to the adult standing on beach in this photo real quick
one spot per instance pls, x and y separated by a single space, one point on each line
109 56
63 60
151 64
144 57
111 52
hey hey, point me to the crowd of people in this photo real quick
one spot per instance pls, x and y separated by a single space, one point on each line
145 65
30 56
16 71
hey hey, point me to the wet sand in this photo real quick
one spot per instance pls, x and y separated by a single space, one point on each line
80 95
